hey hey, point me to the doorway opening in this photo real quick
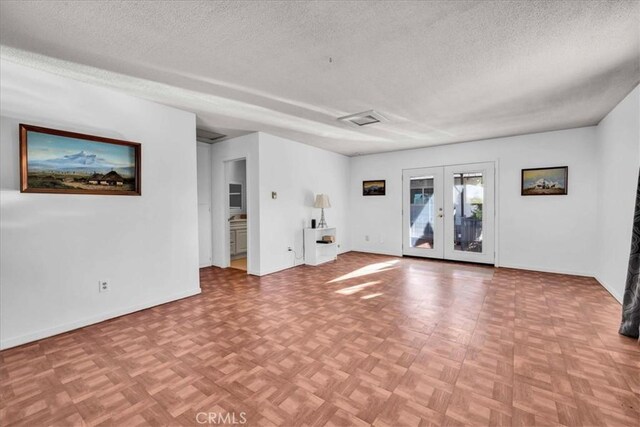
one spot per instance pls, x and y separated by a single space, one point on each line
236 212
448 212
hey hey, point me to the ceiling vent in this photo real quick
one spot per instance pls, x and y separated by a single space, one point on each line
363 119
208 136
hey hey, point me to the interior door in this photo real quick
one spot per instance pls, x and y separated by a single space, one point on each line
423 212
469 213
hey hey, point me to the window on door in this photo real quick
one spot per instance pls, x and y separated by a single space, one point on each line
468 200
235 197
422 212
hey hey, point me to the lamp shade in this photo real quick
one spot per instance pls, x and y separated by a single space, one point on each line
322 201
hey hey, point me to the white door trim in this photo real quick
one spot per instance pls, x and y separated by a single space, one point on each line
443 226
227 211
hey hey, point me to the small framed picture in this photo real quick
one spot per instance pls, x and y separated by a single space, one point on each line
374 188
545 181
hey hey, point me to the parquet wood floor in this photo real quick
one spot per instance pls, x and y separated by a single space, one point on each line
239 264
366 340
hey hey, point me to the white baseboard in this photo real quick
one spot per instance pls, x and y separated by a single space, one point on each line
548 270
609 289
370 251
602 283
277 270
296 263
59 329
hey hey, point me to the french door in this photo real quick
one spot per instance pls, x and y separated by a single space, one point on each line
448 212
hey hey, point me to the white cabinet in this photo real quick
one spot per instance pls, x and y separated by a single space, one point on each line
318 253
238 237
233 242
241 240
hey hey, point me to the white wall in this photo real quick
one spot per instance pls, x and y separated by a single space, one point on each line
297 172
204 172
55 248
551 233
618 153
246 147
204 204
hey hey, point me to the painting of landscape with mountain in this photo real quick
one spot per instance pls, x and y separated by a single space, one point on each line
545 181
62 162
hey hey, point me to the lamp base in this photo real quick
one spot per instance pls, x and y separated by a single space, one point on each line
322 223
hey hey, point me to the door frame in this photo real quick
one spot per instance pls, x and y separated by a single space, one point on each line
208 178
496 205
206 236
227 211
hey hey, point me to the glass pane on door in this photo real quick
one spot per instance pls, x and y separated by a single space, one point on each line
235 201
422 212
468 200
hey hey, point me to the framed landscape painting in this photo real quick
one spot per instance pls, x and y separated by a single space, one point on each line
374 188
545 181
56 161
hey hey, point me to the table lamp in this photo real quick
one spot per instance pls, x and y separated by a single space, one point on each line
322 202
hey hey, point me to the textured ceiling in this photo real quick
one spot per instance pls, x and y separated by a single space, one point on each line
441 72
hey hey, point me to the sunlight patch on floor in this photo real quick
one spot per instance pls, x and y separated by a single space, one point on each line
357 288
372 295
378 267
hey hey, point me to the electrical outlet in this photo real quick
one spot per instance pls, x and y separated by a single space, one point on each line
103 286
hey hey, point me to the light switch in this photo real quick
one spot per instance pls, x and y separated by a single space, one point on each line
274 195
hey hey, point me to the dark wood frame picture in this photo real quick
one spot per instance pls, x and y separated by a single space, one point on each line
382 192
547 187
73 181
